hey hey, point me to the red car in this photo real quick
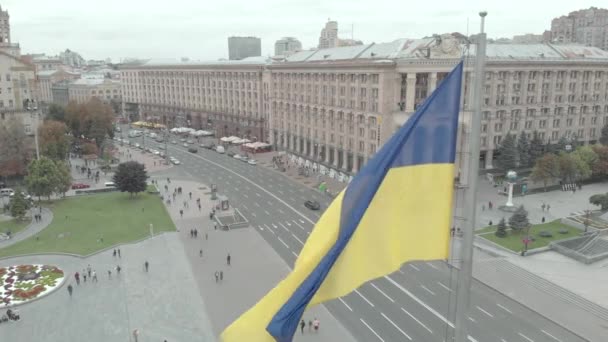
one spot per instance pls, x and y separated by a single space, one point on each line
80 186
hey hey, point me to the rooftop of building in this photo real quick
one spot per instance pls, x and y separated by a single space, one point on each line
94 81
48 73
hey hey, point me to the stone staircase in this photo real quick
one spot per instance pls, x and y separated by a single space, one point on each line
525 278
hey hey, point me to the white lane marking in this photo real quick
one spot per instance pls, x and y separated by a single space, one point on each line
265 225
419 301
433 266
414 267
294 253
417 320
300 241
472 339
384 294
427 290
343 302
258 186
553 337
256 204
254 215
267 213
245 195
274 226
281 211
395 325
305 222
297 224
283 242
287 223
280 224
365 299
526 337
445 287
257 194
484 311
372 330
400 271
472 319
261 228
504 308
244 206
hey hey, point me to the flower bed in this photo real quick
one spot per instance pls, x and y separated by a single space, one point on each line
22 283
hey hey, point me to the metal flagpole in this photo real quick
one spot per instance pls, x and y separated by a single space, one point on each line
466 252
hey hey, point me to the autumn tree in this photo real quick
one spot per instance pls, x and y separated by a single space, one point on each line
507 157
600 167
15 148
545 169
604 135
53 139
56 113
93 120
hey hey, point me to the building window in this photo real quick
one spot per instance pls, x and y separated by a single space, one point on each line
497 140
569 122
555 123
484 128
542 124
554 135
497 127
528 124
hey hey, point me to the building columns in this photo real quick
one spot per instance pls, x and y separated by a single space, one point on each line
432 83
410 92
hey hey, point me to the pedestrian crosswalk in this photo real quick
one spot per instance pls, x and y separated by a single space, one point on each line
577 213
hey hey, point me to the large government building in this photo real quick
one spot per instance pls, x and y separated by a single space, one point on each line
337 106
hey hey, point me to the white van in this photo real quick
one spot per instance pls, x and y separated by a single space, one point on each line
110 184
6 192
220 149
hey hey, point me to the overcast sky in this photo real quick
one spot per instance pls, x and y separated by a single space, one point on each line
199 28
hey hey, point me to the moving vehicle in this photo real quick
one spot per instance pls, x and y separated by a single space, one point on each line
109 184
220 149
185 145
175 161
312 205
80 186
137 145
252 162
192 150
237 156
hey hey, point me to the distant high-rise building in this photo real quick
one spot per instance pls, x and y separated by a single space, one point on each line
587 26
329 37
5 27
72 59
243 47
287 45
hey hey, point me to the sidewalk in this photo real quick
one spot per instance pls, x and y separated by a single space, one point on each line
31 230
255 267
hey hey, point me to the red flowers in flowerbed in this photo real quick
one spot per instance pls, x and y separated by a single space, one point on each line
22 283
28 294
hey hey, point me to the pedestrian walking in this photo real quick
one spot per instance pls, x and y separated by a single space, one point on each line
146 265
109 274
315 324
191 233
190 194
215 225
118 250
548 207
228 259
181 213
135 334
543 207
114 253
89 270
70 289
309 325
302 326
195 234
543 220
217 276
199 207
206 236
94 276
77 277
118 270
200 253
221 275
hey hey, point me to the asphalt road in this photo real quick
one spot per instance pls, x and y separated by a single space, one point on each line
413 304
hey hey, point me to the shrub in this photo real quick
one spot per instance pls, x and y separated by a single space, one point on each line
545 234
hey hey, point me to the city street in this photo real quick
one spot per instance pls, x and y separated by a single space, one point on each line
416 303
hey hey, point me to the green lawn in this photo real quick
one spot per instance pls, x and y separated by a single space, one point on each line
80 222
13 225
513 241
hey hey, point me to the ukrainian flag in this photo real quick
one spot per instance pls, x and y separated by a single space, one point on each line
395 210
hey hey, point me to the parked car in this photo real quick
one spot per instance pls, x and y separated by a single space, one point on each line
220 149
312 205
80 186
230 154
6 192
192 150
182 140
237 156
185 145
252 162
173 142
175 161
190 141
244 159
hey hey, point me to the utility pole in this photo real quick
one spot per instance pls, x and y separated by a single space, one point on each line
463 293
35 115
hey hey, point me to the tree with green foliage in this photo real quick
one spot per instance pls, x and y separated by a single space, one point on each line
131 177
54 140
600 167
572 168
56 112
42 177
64 178
545 169
599 200
537 148
501 229
560 146
587 155
604 135
519 220
18 206
523 150
507 153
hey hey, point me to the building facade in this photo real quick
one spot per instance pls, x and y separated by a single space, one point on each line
47 78
243 47
588 27
329 35
17 90
287 46
338 106
84 89
5 27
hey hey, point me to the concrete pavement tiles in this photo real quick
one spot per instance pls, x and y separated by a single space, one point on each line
32 229
162 304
